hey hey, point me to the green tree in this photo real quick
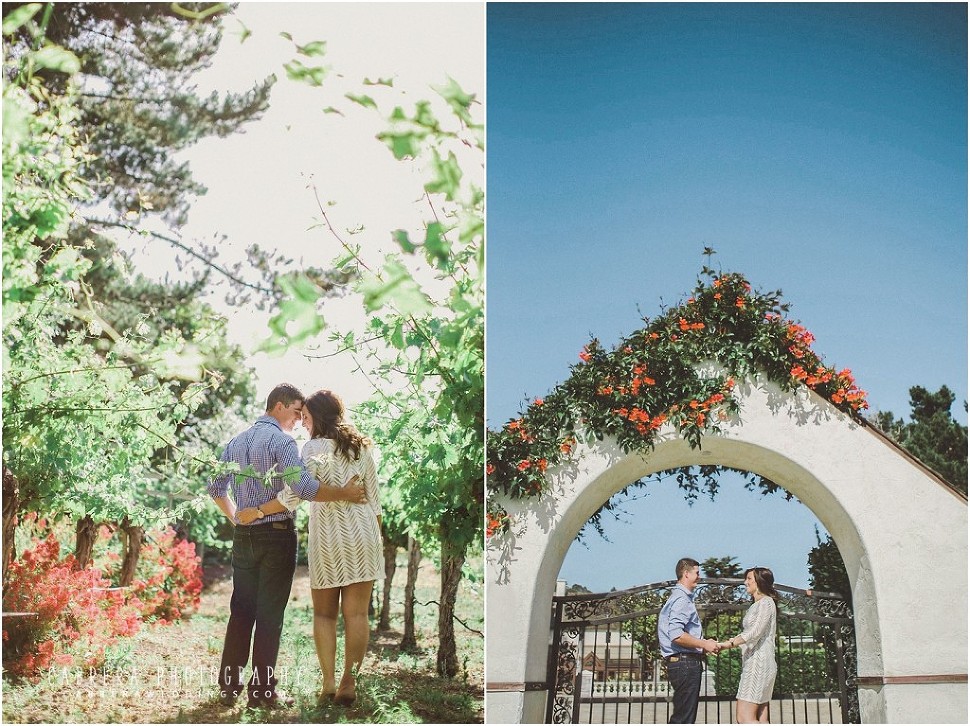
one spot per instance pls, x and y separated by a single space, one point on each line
138 107
80 423
721 567
138 103
932 434
135 106
191 339
826 570
423 344
827 573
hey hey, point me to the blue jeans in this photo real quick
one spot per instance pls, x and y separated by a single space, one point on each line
685 677
263 564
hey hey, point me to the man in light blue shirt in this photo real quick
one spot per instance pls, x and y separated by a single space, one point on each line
681 643
264 553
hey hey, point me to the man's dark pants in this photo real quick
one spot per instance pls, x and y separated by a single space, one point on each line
685 676
263 564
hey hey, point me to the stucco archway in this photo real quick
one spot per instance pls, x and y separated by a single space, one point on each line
901 532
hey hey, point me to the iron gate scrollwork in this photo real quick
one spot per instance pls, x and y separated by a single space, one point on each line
605 664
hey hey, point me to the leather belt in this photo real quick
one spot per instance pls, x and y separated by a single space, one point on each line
281 524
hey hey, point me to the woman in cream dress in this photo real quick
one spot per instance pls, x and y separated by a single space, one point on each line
345 546
757 641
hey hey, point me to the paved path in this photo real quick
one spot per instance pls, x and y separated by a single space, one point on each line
804 711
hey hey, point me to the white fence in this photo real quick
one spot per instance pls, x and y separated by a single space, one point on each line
659 688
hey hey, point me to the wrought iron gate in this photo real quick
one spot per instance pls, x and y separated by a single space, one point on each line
605 664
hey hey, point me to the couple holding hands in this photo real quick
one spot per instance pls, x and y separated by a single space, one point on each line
338 473
684 649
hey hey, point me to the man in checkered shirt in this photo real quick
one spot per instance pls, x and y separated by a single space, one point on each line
264 552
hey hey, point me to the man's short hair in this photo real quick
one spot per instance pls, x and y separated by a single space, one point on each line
684 565
284 393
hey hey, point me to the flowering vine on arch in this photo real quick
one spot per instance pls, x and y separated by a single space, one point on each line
652 378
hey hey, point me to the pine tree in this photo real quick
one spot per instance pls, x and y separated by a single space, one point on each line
139 103
932 434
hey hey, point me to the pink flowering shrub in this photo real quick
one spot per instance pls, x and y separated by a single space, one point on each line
78 614
168 580
76 618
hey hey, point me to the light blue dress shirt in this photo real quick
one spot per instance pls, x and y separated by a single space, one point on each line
678 616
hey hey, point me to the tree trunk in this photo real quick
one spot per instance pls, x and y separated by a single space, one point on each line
11 505
409 641
452 559
390 567
133 537
87 533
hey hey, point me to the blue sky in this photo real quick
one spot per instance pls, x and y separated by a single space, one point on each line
819 148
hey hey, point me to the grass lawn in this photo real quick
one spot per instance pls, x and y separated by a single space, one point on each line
166 673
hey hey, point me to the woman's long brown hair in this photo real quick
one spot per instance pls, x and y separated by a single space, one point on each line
327 412
765 580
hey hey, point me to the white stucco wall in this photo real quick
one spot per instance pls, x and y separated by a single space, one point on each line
901 533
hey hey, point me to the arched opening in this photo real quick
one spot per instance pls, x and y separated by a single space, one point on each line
605 664
663 520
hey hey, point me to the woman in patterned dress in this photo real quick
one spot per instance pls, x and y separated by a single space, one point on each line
345 546
757 641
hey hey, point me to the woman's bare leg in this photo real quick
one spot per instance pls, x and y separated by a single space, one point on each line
355 602
326 605
762 713
746 712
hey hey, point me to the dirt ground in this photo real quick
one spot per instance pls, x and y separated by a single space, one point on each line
165 674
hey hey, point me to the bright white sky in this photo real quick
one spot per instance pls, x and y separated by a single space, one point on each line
258 180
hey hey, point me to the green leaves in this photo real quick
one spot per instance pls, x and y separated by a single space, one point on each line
401 237
289 475
437 246
312 76
313 49
297 318
297 71
183 361
395 286
362 100
249 472
49 56
56 58
403 144
425 353
407 134
51 219
447 176
17 18
459 101
16 125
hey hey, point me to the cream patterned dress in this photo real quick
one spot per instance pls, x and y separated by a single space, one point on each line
345 538
758 667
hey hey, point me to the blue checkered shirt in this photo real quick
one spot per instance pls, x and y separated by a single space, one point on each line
265 446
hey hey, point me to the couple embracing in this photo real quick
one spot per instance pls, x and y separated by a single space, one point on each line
684 648
338 474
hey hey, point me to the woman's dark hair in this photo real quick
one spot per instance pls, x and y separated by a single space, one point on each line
327 411
765 580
